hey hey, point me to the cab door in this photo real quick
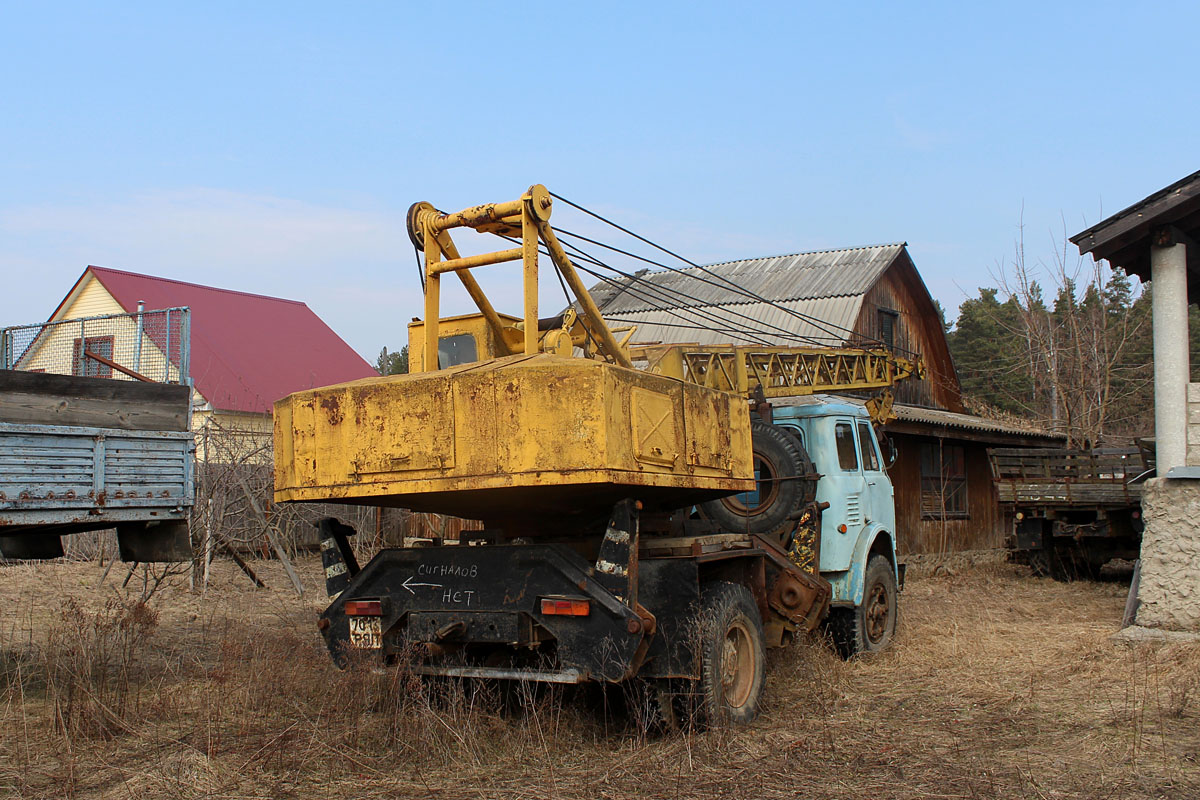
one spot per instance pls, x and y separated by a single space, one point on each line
878 505
843 485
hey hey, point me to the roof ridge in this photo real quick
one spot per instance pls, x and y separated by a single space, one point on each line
97 269
801 253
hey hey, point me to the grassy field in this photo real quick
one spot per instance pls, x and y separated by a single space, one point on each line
999 685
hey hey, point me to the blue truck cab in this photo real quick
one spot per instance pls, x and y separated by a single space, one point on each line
857 552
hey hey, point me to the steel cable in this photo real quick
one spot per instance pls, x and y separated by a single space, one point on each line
815 321
750 335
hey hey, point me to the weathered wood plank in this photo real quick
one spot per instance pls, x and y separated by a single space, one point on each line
63 410
42 398
94 388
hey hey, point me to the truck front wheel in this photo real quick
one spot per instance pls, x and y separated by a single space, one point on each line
869 627
732 654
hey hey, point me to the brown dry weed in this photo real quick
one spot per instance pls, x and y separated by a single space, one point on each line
999 685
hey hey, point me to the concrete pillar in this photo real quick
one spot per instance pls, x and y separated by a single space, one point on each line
1168 284
1169 590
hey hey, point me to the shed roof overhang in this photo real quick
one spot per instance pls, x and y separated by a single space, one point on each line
940 424
1166 217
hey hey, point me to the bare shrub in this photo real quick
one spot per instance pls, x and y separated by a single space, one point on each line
91 661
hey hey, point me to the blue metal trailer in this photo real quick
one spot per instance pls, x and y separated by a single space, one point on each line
80 454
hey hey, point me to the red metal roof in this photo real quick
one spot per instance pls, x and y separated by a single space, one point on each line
247 350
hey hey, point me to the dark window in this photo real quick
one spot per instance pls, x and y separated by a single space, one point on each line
797 432
843 433
943 481
887 327
90 367
454 350
866 440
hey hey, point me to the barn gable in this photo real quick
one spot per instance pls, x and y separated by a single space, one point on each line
854 296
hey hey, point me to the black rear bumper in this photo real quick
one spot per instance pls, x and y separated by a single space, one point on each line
475 611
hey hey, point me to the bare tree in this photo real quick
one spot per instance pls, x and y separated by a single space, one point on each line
1077 350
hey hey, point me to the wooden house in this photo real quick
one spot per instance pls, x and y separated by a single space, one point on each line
945 499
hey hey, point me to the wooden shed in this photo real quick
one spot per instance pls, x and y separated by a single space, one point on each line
945 499
856 295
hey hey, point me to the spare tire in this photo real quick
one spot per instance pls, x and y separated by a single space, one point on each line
786 484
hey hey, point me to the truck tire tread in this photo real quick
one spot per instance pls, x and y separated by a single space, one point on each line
783 449
729 610
847 626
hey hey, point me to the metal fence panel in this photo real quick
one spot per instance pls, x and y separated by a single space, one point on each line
142 345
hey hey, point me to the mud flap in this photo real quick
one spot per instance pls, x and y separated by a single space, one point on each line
31 548
616 565
617 571
153 542
337 557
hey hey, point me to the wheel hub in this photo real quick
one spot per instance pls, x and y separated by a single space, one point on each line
876 614
737 666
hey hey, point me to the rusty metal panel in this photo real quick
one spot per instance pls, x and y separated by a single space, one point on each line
71 475
522 432
656 436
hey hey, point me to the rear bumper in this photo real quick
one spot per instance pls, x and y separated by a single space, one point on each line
497 673
474 612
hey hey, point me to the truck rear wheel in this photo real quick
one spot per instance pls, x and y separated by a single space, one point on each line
870 626
732 655
779 459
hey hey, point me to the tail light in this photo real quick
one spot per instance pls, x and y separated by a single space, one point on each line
566 607
363 608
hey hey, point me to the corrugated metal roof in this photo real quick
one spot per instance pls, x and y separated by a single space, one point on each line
927 416
831 318
949 419
800 276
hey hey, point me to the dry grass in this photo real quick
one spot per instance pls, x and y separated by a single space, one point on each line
999 685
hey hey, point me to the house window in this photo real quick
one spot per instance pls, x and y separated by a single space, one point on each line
90 367
887 327
943 481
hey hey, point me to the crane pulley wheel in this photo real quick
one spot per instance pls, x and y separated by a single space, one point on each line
415 231
540 201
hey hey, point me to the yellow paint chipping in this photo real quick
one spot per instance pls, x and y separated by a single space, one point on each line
540 432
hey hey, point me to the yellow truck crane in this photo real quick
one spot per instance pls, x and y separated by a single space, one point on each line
647 514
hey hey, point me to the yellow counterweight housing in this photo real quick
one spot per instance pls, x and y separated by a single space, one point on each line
521 435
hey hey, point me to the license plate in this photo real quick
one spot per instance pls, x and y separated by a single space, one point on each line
366 633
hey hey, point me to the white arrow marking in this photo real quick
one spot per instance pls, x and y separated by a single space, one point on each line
408 584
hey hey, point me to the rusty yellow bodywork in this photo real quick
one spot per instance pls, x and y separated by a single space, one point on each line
527 433
497 417
488 342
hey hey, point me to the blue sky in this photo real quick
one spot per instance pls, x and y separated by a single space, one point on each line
275 148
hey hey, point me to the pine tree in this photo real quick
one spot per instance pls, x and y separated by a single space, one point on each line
392 363
987 348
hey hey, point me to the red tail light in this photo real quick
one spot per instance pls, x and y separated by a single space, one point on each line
363 608
566 607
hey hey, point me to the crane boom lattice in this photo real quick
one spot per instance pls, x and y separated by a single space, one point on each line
779 371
